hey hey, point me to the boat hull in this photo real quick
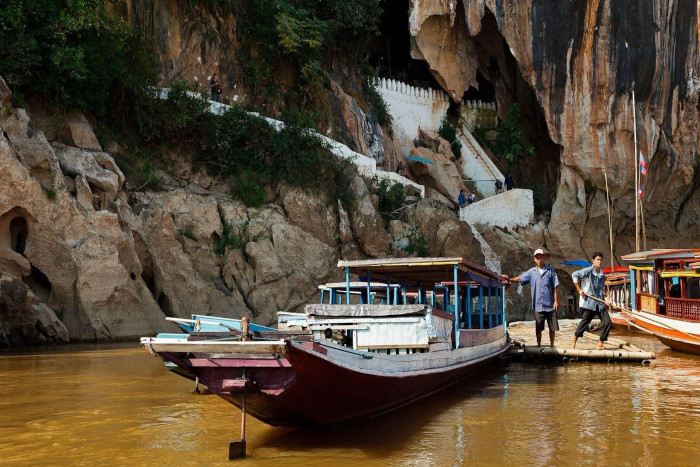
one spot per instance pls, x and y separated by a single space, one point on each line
680 335
316 384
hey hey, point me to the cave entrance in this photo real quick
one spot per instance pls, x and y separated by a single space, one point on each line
39 283
391 50
501 80
18 234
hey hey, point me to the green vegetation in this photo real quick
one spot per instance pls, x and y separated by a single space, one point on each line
80 55
391 196
541 198
244 145
308 36
76 53
591 188
187 233
509 139
449 132
50 193
235 238
418 245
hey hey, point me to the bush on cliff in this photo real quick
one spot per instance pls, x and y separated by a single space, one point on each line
77 54
309 36
240 143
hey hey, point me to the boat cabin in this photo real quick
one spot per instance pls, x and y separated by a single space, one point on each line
409 305
665 282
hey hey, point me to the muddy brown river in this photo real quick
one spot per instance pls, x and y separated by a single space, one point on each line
117 405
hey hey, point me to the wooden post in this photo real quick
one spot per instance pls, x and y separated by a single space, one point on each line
636 175
607 193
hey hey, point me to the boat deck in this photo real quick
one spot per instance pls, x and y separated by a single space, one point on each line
524 344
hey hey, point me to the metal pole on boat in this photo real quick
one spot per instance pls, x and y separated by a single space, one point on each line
347 284
456 308
481 306
468 311
503 304
369 301
388 289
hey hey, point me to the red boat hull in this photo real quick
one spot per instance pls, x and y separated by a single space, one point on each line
305 388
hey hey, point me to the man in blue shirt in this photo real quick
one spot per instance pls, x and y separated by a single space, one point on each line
543 286
462 199
590 285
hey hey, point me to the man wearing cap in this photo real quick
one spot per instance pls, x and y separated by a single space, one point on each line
543 286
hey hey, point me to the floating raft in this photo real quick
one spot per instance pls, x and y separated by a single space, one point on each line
524 343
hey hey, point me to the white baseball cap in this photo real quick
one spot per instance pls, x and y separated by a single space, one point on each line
538 251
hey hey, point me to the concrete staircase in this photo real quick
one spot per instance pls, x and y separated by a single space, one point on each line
476 165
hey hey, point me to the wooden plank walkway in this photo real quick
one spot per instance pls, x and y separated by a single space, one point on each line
524 344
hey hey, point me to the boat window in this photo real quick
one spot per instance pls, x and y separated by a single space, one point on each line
675 291
693 289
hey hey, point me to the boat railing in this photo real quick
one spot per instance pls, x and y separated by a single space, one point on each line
683 308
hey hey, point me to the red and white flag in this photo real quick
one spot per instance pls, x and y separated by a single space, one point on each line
642 164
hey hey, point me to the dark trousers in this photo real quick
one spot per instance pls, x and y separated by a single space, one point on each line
216 97
588 316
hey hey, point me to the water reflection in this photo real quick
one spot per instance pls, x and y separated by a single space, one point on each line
118 405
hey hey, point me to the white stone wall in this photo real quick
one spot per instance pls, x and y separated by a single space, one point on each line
412 108
509 209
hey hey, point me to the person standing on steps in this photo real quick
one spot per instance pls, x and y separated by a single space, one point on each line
215 88
543 287
462 199
499 186
510 183
590 285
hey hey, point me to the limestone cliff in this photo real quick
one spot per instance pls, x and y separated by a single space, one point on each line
86 257
577 63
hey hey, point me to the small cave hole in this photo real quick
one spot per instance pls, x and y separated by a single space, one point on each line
132 276
18 234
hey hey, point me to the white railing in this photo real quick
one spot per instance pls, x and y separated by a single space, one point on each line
367 166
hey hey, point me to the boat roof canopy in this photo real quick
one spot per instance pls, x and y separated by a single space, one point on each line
663 253
427 270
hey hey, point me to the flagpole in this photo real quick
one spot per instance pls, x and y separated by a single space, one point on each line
607 195
636 175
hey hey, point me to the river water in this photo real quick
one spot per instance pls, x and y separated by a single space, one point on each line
117 405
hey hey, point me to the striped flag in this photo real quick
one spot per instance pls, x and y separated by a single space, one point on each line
640 193
642 164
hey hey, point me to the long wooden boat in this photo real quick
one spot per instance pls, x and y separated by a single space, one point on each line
358 359
666 298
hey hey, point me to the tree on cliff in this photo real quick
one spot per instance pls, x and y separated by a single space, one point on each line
509 139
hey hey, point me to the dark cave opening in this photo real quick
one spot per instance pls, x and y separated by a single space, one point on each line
391 50
39 283
500 79
18 234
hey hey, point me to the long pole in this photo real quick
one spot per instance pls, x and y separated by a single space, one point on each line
636 175
607 193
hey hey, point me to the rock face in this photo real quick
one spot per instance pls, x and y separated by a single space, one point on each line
84 260
579 63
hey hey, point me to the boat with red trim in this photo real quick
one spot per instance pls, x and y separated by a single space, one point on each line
358 359
666 296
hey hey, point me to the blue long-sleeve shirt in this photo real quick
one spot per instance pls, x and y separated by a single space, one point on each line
591 283
542 287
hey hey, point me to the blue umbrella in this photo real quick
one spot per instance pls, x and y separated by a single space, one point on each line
577 262
419 159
